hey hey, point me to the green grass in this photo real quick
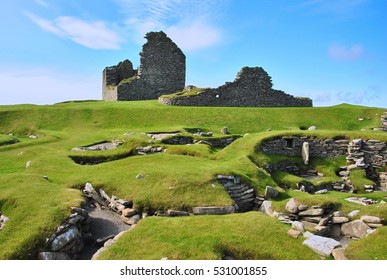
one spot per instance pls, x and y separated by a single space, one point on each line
243 236
180 178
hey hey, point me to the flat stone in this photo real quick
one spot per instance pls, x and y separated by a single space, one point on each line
338 254
312 219
128 212
321 245
302 207
323 191
131 221
294 233
296 225
357 229
48 256
371 219
175 213
93 193
271 192
312 212
324 221
310 225
339 220
213 210
65 238
374 225
291 206
353 213
266 208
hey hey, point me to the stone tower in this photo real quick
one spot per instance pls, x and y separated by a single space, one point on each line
162 71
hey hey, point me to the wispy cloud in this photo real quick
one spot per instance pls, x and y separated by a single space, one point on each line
345 53
94 35
190 23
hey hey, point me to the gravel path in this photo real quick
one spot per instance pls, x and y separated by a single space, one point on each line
103 223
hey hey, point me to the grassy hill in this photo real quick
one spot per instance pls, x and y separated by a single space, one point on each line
180 179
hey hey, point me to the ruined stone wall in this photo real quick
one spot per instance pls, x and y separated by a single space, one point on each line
363 153
162 71
251 88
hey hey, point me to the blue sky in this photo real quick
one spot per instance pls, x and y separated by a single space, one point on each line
333 51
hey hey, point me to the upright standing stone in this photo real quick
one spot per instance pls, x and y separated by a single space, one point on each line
305 152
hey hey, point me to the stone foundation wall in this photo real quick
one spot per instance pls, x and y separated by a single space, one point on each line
363 153
251 88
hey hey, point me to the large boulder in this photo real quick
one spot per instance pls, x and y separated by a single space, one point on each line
321 245
357 229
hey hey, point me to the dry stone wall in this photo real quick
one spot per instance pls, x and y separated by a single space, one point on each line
251 88
162 71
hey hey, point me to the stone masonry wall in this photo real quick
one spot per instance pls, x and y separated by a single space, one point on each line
251 88
363 153
162 71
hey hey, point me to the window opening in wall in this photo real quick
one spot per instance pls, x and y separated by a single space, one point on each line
289 143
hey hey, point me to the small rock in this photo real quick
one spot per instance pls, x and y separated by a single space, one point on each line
312 127
266 208
353 213
175 213
139 177
312 212
224 130
291 206
338 214
298 226
374 225
45 177
371 219
324 221
339 220
323 191
271 192
128 212
338 254
28 164
294 233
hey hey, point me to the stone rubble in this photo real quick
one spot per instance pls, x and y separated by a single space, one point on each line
100 147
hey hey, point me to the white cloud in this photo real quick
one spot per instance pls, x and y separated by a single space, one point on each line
190 23
94 35
345 53
41 86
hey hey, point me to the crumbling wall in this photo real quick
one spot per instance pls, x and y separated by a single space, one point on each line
251 88
162 71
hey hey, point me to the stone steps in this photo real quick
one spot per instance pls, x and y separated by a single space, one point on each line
243 195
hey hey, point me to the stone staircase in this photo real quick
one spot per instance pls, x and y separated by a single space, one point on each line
242 194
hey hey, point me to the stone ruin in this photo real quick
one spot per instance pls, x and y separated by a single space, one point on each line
252 87
161 71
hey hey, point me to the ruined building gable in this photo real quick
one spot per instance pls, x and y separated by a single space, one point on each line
252 87
161 71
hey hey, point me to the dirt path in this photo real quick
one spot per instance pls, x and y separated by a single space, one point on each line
103 223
